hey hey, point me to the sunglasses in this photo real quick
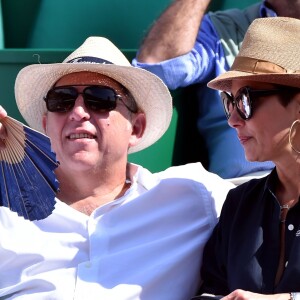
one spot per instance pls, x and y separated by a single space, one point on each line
96 98
243 101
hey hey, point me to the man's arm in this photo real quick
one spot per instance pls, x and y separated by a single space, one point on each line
175 32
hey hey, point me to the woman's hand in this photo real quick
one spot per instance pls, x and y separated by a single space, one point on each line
245 295
3 133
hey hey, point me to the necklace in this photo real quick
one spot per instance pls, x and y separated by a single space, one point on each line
283 212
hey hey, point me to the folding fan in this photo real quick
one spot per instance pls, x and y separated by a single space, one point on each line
27 181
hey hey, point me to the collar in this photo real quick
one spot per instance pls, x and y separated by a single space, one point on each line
266 10
271 182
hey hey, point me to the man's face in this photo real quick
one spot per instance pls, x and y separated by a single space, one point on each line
84 139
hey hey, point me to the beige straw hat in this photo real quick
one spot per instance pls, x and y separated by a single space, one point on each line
270 53
97 54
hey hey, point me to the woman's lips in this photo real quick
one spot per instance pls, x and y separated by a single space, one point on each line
244 139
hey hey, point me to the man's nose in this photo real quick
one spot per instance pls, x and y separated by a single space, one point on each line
79 110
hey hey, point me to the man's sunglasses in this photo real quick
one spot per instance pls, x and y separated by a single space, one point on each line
243 100
96 98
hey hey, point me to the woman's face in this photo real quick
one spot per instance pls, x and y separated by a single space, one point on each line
265 135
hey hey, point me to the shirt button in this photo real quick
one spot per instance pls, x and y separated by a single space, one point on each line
286 264
291 227
87 265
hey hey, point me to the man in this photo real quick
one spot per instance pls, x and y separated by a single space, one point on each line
117 231
181 53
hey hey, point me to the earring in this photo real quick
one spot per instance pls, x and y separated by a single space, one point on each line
290 135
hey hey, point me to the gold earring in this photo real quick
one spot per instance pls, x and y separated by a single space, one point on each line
290 136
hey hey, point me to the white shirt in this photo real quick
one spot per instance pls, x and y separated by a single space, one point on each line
145 245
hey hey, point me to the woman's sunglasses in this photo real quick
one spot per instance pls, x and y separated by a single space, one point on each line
96 98
243 100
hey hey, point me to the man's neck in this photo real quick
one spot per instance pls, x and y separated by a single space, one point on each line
86 192
88 204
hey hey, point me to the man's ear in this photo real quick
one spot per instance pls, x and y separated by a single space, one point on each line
138 128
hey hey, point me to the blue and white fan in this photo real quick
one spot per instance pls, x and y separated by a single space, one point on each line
27 180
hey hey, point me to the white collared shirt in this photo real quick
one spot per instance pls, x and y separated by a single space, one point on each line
145 245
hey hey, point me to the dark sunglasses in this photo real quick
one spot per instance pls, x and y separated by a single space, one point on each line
243 101
96 98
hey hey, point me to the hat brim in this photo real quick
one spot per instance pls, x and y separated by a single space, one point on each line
152 96
224 81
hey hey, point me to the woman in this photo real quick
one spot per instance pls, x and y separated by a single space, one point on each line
254 252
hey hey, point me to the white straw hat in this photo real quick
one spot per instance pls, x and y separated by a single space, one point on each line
270 53
99 55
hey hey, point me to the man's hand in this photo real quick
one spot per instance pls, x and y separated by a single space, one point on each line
3 133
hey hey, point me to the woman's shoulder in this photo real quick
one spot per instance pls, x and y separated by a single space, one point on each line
251 185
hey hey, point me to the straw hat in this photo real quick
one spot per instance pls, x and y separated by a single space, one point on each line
270 53
97 54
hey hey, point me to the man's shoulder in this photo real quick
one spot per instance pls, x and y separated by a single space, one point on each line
190 171
251 12
234 18
194 172
213 184
190 182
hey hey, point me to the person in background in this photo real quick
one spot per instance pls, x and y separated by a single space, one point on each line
185 46
117 230
254 250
